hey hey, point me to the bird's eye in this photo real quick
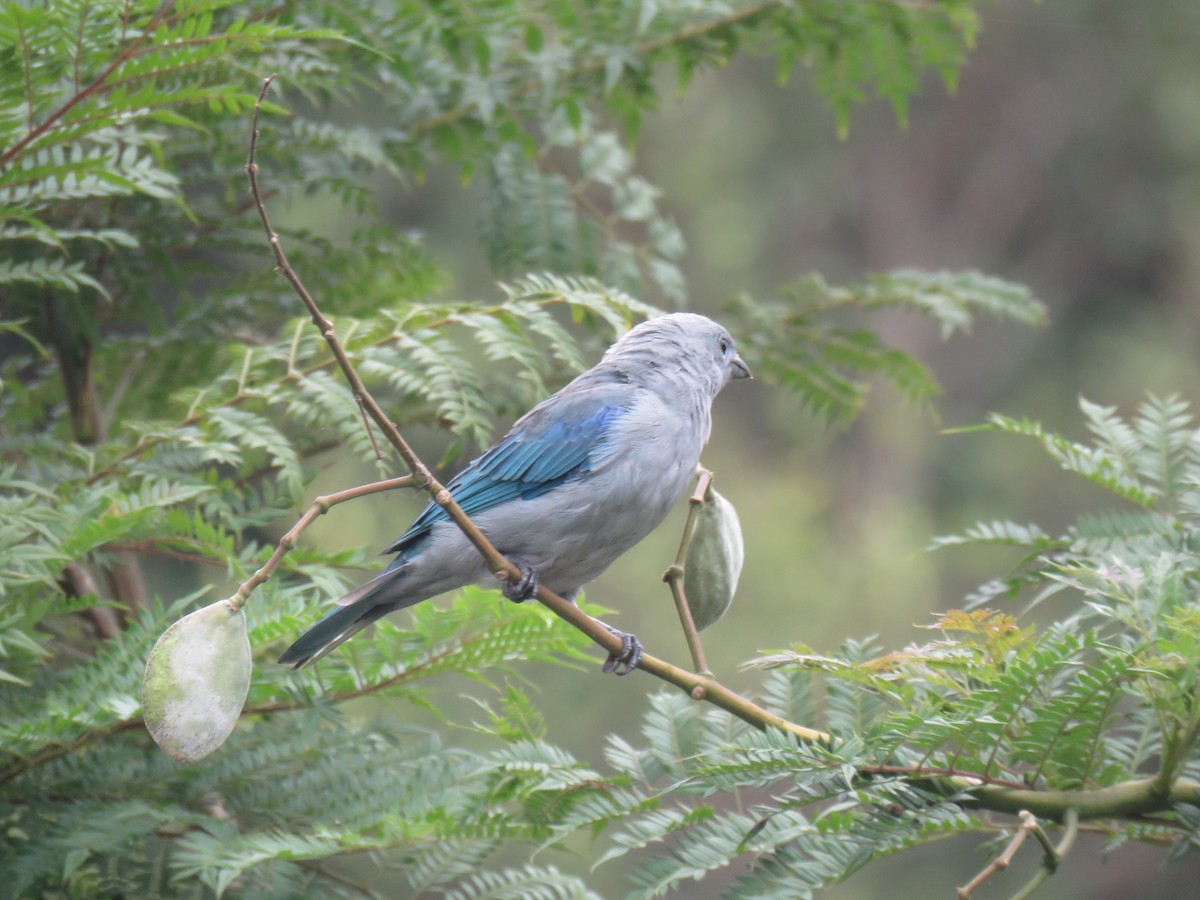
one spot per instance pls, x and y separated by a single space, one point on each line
723 343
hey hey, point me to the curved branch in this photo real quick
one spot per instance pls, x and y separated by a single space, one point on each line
319 507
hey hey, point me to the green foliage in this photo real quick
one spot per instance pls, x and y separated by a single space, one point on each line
92 93
162 408
1103 697
810 343
1098 705
884 45
295 783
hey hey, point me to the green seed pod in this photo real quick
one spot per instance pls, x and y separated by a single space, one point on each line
714 561
196 682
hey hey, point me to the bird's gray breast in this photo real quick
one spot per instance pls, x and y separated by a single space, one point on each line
573 533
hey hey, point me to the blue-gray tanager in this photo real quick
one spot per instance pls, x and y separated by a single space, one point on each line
577 481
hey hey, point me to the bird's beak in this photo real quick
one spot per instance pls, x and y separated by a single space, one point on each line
740 369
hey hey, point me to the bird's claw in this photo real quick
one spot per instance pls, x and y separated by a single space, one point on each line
524 588
627 660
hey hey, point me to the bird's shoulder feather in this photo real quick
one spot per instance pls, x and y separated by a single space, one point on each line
555 442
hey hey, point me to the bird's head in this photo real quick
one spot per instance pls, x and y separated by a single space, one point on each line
686 343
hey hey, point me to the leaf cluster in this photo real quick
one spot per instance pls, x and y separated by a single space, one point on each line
1092 713
298 785
1124 581
813 341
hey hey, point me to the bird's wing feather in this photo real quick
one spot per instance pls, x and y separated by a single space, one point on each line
554 443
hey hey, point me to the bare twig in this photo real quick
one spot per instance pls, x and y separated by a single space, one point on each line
674 574
370 431
1051 855
332 875
698 687
319 507
927 772
1002 862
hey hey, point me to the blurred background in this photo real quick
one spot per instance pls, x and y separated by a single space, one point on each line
1067 159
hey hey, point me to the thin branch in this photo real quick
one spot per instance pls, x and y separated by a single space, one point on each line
129 374
370 431
51 752
1128 799
1053 857
1029 825
674 574
923 771
319 507
163 546
325 872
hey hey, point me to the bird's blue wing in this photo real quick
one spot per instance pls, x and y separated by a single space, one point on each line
553 444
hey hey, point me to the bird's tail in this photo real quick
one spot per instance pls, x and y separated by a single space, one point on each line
354 612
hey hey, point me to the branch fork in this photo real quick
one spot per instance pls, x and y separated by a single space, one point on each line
1051 855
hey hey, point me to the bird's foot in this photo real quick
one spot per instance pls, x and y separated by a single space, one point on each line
525 587
627 660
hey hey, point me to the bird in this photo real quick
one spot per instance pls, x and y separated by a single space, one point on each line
578 480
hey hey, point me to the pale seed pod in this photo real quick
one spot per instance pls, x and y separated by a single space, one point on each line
714 561
196 682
